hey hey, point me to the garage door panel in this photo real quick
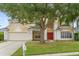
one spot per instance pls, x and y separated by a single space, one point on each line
19 36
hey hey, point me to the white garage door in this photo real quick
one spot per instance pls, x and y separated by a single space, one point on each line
20 36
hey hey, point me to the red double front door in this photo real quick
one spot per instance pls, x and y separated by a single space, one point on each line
50 35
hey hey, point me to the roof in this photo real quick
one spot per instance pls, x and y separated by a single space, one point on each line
3 29
65 28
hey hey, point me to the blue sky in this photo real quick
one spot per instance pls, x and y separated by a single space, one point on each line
3 20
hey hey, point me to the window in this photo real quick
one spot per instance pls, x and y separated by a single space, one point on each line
37 36
66 35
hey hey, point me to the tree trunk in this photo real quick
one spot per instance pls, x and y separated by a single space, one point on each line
42 29
42 36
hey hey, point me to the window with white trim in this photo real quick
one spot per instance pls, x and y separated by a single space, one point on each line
66 35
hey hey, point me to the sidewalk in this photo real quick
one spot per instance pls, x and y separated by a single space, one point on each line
9 47
61 54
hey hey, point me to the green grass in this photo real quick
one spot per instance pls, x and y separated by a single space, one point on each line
35 48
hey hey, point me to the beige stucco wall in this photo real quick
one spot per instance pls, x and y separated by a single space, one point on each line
17 27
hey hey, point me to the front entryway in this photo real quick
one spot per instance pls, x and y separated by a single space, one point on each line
50 36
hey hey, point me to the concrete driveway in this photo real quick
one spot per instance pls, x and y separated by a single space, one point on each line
9 47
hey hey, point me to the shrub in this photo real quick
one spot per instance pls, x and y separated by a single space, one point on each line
1 36
76 36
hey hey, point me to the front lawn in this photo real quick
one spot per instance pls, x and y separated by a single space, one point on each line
35 48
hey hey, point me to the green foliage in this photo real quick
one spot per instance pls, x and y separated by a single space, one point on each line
76 36
29 12
1 36
66 12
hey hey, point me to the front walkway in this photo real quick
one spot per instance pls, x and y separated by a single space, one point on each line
62 54
9 47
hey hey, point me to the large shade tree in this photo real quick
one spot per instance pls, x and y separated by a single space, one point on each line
37 13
